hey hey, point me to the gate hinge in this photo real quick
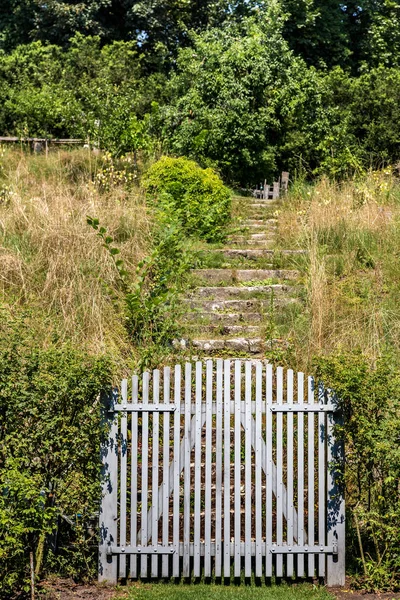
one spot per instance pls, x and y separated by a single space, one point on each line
141 550
285 549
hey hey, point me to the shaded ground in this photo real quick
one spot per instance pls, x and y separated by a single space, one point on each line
66 589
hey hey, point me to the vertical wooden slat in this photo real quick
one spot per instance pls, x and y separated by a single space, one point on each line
186 479
237 454
289 478
279 470
134 478
269 473
257 461
247 471
154 483
218 469
197 470
177 469
300 474
335 502
208 465
321 481
310 478
123 477
227 468
145 473
108 569
166 454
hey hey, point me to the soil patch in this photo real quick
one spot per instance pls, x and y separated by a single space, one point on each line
67 589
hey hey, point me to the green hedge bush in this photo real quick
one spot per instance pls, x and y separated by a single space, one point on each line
370 399
196 197
50 430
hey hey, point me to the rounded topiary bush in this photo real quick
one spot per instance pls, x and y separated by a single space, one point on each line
196 197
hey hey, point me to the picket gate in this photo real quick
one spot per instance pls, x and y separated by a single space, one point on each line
222 468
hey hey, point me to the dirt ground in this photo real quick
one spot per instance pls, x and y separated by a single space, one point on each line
66 589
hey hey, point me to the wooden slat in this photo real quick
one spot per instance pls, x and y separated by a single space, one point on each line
321 481
134 477
257 460
237 467
154 483
218 469
197 470
208 467
335 503
227 467
176 469
123 478
108 518
269 471
279 470
186 480
300 474
310 478
166 453
145 474
289 485
247 470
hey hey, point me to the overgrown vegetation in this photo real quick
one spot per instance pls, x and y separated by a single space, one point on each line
348 334
50 432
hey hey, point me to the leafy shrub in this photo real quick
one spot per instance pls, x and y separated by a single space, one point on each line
370 398
151 298
195 197
50 433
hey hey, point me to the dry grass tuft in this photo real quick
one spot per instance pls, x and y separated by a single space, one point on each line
352 234
51 261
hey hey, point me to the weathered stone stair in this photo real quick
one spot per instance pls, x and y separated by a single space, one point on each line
228 310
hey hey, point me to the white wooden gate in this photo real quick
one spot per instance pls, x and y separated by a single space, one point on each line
222 468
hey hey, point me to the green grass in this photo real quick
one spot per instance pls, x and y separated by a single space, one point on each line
201 591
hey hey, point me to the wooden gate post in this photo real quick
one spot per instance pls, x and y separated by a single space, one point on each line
335 502
109 498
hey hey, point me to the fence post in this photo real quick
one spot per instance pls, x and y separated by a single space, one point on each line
335 501
109 498
284 181
275 190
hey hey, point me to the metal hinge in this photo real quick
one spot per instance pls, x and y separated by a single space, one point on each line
143 408
295 408
275 549
140 550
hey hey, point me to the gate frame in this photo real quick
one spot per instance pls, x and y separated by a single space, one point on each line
114 404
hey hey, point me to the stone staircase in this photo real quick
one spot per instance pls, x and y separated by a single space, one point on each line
229 307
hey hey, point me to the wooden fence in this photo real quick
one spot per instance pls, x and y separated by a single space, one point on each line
274 191
225 468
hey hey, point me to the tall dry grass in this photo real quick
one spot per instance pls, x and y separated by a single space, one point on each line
51 262
351 232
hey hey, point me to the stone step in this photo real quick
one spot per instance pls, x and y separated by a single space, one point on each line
222 330
261 226
252 236
250 345
269 221
241 292
225 318
241 307
255 253
262 242
242 275
240 344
